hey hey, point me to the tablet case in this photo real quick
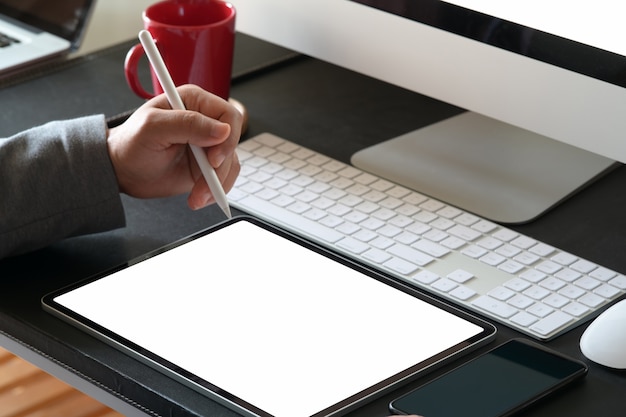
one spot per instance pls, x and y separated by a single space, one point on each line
314 338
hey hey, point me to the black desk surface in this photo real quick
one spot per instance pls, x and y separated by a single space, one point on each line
318 105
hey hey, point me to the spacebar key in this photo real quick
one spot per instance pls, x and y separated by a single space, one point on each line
287 219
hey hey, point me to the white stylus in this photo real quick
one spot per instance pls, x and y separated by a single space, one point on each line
177 103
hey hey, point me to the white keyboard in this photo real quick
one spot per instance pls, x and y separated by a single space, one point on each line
502 274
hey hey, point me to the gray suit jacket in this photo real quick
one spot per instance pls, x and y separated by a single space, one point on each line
56 181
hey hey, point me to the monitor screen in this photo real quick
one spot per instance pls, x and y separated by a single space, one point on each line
595 24
537 30
553 71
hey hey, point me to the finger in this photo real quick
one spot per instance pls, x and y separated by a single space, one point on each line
201 195
198 100
173 127
219 109
208 117
231 173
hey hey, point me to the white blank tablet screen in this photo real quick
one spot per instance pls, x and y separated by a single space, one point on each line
267 320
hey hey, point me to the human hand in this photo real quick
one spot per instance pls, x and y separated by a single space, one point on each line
150 155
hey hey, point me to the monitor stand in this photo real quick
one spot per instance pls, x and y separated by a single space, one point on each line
492 169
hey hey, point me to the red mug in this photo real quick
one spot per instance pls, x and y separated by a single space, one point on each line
196 39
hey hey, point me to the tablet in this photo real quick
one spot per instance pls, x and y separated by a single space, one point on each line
267 323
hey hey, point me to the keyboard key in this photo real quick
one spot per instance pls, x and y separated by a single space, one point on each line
575 309
551 323
401 266
511 267
453 243
548 267
389 231
501 293
592 300
523 242
571 292
382 242
462 292
365 235
540 310
431 248
298 207
353 245
532 275
505 235
410 254
377 256
406 238
552 284
583 266
464 233
347 228
466 219
490 243
492 259
517 284
331 222
602 274
484 226
568 275
425 277
460 276
526 258
520 301
524 319
564 258
619 282
444 285
542 249
606 291
508 250
587 283
556 300
474 251
315 214
536 293
496 307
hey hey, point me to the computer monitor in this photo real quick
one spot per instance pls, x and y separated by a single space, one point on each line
543 82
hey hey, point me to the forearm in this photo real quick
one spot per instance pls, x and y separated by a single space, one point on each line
56 181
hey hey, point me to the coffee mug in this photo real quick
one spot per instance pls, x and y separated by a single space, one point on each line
196 39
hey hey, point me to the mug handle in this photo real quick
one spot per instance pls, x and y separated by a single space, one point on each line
130 70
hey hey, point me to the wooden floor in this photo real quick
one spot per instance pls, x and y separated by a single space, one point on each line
27 391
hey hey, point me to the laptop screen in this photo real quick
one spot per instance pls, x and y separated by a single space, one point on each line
64 18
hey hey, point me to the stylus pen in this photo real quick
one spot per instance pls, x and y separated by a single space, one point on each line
177 104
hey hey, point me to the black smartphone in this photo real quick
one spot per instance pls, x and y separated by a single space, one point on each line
495 384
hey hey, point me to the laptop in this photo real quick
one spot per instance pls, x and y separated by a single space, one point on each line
35 31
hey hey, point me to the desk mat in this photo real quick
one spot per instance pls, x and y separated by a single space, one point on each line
95 84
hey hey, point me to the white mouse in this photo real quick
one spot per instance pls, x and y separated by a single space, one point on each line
604 341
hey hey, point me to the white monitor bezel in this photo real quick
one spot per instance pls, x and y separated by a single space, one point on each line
542 98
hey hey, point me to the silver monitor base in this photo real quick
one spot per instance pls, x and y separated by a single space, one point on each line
495 170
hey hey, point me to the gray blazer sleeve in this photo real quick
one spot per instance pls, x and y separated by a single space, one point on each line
56 181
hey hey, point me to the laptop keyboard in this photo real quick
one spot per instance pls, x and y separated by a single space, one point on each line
513 279
6 40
